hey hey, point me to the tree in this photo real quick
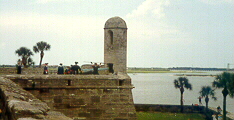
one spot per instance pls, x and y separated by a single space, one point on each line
181 83
41 47
25 53
225 81
207 91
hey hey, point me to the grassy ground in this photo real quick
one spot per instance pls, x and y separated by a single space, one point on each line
168 116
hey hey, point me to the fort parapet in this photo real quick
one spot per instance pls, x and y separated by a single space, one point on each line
87 97
19 104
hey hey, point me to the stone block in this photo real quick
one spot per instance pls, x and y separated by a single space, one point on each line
95 99
84 114
52 115
95 112
28 118
123 114
58 99
120 119
79 118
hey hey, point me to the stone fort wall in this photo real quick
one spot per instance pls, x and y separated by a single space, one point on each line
19 104
89 97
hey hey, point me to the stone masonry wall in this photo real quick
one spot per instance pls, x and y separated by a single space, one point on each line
116 53
25 71
19 104
89 97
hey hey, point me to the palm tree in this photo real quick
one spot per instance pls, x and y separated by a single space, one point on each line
25 53
181 83
225 81
207 91
41 47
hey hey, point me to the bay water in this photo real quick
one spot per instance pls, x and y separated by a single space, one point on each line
158 88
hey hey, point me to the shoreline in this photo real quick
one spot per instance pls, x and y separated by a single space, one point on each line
200 75
177 72
161 71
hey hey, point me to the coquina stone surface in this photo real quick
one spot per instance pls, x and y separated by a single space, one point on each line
81 96
19 104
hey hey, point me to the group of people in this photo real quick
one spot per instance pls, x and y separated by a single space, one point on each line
74 69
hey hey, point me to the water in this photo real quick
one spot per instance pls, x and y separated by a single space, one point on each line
158 88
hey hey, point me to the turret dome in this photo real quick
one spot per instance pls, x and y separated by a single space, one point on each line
115 22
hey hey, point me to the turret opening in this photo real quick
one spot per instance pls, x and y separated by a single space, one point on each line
111 37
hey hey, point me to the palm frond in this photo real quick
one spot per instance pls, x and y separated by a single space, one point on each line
182 82
207 91
176 84
41 46
214 98
35 49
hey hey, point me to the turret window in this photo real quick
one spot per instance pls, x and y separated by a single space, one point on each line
111 37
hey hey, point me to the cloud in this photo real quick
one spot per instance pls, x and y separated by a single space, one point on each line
215 2
52 23
150 7
47 1
148 23
2 45
150 32
58 1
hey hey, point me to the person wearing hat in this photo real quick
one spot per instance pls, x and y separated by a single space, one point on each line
19 66
76 68
60 69
46 69
95 68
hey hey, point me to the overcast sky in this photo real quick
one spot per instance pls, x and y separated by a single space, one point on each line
161 33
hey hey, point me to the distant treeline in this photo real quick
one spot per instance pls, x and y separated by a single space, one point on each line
180 68
199 69
2 66
147 69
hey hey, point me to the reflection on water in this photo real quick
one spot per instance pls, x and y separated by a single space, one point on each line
158 88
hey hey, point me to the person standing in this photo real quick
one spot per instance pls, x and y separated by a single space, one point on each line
95 68
46 69
199 98
68 70
219 110
60 69
71 69
19 66
76 68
